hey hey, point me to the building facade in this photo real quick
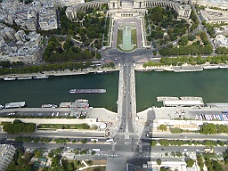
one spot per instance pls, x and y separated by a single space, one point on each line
6 155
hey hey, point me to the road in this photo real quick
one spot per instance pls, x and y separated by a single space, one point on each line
60 134
189 136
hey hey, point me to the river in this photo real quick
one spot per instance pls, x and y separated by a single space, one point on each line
209 84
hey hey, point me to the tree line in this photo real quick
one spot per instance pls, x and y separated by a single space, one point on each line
209 143
19 127
179 61
213 129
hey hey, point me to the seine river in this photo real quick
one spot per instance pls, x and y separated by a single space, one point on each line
209 84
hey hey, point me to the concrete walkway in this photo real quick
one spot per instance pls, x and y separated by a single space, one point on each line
83 168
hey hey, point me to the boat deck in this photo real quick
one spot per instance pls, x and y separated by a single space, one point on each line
162 98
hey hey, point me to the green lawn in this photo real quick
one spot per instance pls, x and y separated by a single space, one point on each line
134 37
119 38
96 169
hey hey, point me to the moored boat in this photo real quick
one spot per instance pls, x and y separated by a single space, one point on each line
87 91
25 78
40 76
211 67
223 66
49 106
1 106
9 78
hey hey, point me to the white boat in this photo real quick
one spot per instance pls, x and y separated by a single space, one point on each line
15 105
1 106
25 78
40 76
100 72
49 106
159 69
9 78
211 67
191 98
223 66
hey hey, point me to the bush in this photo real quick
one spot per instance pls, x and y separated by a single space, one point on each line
176 130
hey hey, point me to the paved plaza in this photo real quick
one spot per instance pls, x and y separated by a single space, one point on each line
127 21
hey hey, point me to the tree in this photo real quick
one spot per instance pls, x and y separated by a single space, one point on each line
93 152
154 52
162 127
163 169
70 166
175 130
84 141
153 143
190 162
37 153
184 40
159 161
191 37
208 129
156 14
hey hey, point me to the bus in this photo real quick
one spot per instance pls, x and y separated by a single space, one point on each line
94 140
109 140
96 150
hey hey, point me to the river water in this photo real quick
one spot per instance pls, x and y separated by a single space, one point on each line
209 84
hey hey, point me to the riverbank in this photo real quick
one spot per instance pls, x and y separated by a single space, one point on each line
65 72
184 68
99 70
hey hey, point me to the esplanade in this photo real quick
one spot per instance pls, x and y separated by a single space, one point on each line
124 11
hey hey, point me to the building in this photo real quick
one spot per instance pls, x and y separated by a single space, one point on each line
68 3
31 24
6 155
221 41
129 9
212 3
20 35
172 165
214 16
2 41
48 19
8 33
